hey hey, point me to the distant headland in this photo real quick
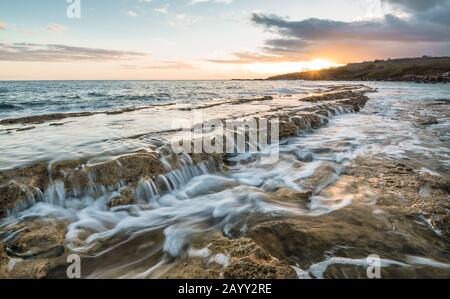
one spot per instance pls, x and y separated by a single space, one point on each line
422 70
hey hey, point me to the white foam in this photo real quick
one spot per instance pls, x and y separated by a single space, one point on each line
423 261
319 269
221 259
202 253
301 274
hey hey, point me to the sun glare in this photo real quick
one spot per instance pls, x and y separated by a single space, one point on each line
318 64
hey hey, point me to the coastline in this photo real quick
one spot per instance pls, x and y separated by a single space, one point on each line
39 177
418 70
351 207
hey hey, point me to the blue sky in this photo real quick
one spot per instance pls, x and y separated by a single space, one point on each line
198 39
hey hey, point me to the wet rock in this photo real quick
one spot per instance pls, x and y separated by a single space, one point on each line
331 96
125 169
243 101
249 261
33 176
77 176
288 129
240 259
37 119
35 251
399 179
12 193
288 195
25 129
39 240
390 229
3 261
121 111
348 232
126 198
128 168
323 175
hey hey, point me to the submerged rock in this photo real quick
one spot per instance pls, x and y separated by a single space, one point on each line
219 257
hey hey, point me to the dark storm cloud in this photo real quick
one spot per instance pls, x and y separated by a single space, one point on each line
60 53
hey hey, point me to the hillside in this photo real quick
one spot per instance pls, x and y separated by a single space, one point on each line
424 69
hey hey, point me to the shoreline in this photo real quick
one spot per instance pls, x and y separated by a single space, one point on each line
39 176
368 206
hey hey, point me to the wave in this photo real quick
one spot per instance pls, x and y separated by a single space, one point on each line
76 97
142 98
8 106
96 94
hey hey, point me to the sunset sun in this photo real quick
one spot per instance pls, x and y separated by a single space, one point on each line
318 64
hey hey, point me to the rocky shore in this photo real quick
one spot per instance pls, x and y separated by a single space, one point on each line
24 186
396 213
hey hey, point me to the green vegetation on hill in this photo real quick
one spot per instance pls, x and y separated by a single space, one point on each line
423 69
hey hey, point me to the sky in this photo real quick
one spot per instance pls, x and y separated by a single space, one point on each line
210 39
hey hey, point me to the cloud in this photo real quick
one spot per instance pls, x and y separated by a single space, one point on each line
132 13
56 28
250 57
434 11
194 2
183 20
164 65
417 5
388 28
410 27
282 46
60 53
163 9
13 27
